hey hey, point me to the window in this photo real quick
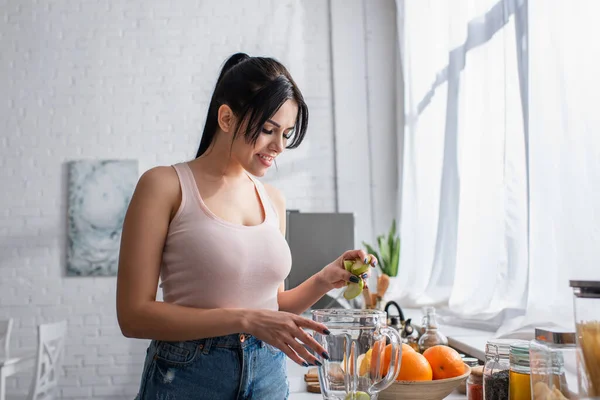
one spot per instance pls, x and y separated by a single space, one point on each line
501 195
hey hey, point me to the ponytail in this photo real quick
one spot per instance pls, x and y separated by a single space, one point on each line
210 127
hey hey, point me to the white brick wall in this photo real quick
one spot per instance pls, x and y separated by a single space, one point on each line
126 79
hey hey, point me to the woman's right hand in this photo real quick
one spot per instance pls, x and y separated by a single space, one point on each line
283 330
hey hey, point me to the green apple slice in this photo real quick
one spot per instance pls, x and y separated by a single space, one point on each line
354 289
359 268
358 396
348 265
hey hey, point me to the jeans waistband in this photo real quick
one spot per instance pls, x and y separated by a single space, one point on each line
232 341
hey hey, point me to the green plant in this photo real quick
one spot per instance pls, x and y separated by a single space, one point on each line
389 251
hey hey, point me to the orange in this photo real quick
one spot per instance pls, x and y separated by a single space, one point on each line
445 362
406 347
376 357
385 360
364 363
414 367
385 357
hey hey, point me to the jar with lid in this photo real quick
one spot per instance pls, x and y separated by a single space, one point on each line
551 354
472 363
432 335
496 369
475 384
587 327
519 379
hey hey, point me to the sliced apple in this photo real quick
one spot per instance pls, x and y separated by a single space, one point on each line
358 396
359 268
354 289
348 265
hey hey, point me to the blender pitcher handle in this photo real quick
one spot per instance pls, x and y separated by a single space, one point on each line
394 367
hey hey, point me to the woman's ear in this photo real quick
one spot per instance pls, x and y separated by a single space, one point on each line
226 118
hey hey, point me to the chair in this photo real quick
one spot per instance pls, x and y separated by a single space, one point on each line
51 343
46 361
5 329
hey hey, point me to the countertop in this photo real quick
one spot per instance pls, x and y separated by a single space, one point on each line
298 386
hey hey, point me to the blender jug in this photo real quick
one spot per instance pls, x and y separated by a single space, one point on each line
361 364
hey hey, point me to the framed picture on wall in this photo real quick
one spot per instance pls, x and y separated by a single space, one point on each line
99 192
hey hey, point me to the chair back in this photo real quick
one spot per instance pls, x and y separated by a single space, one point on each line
51 342
5 329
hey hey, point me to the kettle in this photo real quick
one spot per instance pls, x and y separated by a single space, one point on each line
408 332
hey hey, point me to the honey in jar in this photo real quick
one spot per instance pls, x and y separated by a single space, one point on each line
519 377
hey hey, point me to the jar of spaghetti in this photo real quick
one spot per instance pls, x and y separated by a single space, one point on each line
519 378
551 354
587 327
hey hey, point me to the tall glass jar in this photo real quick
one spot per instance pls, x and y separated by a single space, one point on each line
496 369
587 325
520 374
553 360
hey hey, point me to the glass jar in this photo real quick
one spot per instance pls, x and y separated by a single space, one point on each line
496 369
424 312
472 363
553 360
475 384
432 336
587 326
519 380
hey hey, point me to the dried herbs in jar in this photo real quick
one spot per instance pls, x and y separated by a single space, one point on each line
496 386
496 369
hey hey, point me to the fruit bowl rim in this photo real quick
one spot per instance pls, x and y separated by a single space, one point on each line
437 381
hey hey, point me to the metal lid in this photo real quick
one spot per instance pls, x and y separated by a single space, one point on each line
548 335
587 289
471 361
519 353
520 348
498 347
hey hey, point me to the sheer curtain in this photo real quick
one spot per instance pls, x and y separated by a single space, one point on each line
464 205
564 149
501 165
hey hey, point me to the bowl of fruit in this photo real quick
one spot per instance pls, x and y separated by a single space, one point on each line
432 375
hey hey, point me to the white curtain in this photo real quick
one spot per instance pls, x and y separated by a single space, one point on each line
501 166
564 148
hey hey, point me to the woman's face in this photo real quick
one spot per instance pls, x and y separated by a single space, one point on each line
258 158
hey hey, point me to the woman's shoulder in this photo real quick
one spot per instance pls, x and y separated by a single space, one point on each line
275 195
163 177
161 184
277 199
278 202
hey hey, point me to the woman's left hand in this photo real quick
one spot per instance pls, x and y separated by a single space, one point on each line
335 275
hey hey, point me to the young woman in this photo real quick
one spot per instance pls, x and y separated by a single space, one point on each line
214 234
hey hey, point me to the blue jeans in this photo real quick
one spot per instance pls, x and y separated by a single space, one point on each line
232 367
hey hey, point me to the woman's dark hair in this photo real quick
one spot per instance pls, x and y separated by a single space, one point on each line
254 88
